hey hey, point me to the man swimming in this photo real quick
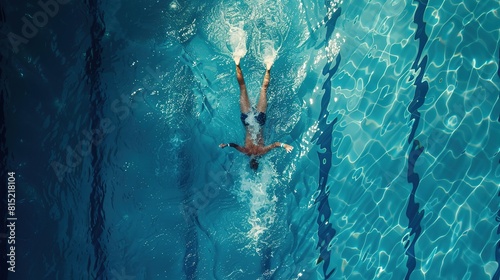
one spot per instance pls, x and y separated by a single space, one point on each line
254 146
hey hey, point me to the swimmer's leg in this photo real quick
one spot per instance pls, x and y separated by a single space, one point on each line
244 101
262 105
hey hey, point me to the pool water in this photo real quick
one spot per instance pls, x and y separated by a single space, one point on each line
114 111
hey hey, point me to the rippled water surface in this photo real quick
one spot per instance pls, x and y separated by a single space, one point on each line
114 111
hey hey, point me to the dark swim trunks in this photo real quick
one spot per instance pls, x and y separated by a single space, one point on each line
260 118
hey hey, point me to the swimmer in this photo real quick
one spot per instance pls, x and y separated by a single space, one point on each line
254 149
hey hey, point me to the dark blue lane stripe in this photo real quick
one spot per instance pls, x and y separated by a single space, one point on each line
326 232
324 140
266 263
413 212
422 87
93 71
191 256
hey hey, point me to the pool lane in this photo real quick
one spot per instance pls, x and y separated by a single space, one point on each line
323 139
413 212
98 183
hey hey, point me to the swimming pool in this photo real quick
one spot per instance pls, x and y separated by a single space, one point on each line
114 111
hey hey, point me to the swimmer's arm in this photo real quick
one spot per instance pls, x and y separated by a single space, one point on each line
287 147
237 147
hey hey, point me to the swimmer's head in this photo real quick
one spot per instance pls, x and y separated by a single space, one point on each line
254 164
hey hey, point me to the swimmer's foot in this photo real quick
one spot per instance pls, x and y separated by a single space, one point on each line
237 60
269 54
269 65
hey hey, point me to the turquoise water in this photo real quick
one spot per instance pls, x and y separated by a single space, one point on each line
114 112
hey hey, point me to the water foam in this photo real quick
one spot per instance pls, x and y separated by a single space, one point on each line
238 41
256 191
264 23
269 53
253 127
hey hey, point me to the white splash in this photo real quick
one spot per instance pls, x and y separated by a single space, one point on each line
269 53
238 41
253 126
334 46
257 192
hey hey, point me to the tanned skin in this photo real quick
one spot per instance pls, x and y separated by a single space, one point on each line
251 148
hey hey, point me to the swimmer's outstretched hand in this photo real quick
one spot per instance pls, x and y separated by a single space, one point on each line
287 147
222 146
